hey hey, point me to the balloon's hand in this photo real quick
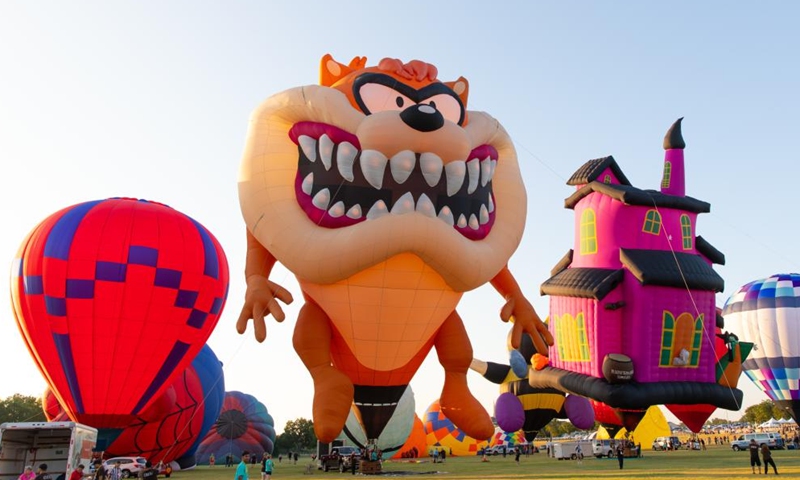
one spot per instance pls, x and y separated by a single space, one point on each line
261 299
521 313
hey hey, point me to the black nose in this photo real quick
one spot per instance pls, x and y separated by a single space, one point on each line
422 117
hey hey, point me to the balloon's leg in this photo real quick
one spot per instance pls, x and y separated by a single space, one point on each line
333 390
457 402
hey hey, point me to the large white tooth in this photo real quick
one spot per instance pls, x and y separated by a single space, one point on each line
322 199
337 210
455 176
473 222
474 169
491 171
354 212
378 210
491 204
308 184
431 166
402 164
325 150
484 215
404 204
425 206
486 170
309 146
345 156
373 164
446 215
462 221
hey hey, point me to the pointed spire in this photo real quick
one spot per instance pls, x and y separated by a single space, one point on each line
674 137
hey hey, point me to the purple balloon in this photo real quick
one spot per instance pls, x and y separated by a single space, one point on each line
509 413
579 411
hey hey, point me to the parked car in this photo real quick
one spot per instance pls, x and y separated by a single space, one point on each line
663 443
496 450
602 448
130 466
771 440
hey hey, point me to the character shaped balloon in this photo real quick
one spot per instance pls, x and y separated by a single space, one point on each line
388 200
114 299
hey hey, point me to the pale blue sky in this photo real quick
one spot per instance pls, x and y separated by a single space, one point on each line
151 100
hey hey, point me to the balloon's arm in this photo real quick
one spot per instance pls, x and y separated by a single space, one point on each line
494 372
520 312
262 295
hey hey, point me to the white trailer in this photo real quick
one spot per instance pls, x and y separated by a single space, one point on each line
569 450
61 445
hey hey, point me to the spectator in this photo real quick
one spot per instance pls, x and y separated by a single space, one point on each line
620 455
754 461
41 473
27 474
78 474
767 455
241 470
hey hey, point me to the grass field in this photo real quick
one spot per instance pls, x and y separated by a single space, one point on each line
717 462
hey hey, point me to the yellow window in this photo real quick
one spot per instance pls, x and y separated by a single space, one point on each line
667 175
571 338
588 232
652 222
686 232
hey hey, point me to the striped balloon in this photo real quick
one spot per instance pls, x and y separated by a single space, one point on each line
114 298
767 313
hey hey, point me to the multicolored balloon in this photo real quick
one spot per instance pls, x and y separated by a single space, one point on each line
394 434
115 298
767 313
243 424
441 432
507 439
171 428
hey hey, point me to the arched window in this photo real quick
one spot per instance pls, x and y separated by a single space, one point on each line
652 222
667 175
607 179
681 339
588 232
571 338
686 232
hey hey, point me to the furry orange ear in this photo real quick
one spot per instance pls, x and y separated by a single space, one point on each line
331 71
461 87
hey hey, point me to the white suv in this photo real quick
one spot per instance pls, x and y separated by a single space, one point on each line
130 466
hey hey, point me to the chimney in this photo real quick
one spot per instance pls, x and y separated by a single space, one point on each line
672 180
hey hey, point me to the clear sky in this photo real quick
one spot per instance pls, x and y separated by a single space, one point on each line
151 100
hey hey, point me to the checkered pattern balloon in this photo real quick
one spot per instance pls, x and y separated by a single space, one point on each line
114 298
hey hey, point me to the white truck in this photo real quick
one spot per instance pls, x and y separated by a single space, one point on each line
61 445
569 450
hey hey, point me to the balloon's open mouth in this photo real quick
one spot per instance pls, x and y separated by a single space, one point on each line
338 184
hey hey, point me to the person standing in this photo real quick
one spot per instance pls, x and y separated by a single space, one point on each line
516 455
211 460
443 455
754 461
148 472
266 466
620 455
27 474
767 456
116 472
78 474
41 473
241 470
579 454
99 470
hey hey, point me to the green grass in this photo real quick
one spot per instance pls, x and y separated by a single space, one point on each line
717 462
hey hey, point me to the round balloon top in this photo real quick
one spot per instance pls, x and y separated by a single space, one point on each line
767 313
113 298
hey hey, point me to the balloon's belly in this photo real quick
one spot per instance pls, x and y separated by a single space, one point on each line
387 313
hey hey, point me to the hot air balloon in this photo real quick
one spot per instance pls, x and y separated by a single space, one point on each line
388 200
393 436
243 424
170 430
443 433
416 444
114 298
632 304
766 312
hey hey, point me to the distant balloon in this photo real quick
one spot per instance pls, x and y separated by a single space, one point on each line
767 313
172 427
114 298
243 424
507 439
441 432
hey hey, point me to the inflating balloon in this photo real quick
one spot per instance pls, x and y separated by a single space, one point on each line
507 439
170 429
243 425
442 433
393 436
638 285
416 444
388 200
100 275
766 312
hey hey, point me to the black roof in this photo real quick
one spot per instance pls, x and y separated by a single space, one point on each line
708 250
630 195
671 269
583 282
593 168
565 262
